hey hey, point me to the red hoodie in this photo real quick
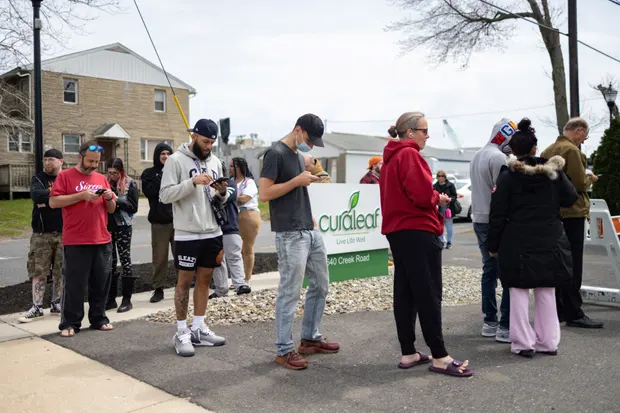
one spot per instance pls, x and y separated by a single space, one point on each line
408 200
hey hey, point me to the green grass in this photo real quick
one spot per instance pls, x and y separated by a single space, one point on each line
16 216
264 210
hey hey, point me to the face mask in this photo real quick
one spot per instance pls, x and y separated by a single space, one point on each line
303 146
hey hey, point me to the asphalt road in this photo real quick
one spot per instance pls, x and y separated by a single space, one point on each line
242 376
13 253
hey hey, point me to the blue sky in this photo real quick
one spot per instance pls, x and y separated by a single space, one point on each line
265 63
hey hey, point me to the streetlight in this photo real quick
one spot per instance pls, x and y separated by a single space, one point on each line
38 107
610 94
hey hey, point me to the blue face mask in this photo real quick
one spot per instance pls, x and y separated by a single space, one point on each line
303 146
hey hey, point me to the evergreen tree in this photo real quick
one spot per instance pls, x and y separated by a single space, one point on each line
607 166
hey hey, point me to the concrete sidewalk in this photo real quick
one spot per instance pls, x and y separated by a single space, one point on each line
36 373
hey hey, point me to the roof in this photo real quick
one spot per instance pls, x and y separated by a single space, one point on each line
111 131
353 142
108 62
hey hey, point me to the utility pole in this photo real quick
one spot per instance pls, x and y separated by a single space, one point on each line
38 107
573 63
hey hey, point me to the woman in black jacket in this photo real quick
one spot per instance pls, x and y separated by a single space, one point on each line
528 238
120 226
443 186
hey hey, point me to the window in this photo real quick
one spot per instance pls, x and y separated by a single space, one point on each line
71 143
147 148
70 88
20 141
160 100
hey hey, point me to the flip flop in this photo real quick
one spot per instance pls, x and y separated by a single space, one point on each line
452 369
103 327
70 332
423 360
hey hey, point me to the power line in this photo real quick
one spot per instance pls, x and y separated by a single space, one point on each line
458 115
553 29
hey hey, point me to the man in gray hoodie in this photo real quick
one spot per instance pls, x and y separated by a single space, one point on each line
484 170
192 183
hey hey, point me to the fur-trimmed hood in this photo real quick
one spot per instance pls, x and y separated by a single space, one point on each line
538 166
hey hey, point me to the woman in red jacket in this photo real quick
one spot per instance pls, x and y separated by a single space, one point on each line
412 225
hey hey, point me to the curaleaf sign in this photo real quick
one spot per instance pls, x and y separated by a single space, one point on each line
349 218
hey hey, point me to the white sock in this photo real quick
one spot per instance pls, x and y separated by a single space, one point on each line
181 325
199 320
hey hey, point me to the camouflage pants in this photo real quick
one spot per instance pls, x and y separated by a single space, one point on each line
46 254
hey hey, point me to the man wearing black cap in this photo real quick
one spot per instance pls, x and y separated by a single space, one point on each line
194 183
301 251
46 240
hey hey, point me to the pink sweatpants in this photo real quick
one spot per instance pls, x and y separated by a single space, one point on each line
545 336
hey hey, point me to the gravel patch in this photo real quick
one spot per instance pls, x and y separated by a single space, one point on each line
461 285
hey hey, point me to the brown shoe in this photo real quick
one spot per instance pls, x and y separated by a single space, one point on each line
319 346
292 360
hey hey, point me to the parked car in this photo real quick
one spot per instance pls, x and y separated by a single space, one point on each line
463 194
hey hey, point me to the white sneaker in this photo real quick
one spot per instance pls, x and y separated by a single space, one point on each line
489 330
203 336
183 343
502 335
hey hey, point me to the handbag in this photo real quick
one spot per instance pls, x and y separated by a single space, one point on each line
456 205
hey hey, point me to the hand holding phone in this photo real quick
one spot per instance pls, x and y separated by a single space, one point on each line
219 181
100 191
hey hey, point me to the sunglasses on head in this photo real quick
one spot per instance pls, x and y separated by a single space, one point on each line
441 176
95 148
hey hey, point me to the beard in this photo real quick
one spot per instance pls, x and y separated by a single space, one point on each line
85 170
199 152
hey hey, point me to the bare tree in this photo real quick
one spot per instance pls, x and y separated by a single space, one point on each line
60 19
455 29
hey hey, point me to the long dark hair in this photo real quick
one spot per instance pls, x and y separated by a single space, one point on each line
242 164
117 163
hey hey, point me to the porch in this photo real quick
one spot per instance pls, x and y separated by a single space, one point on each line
16 178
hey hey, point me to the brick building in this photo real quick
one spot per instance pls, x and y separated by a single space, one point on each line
109 94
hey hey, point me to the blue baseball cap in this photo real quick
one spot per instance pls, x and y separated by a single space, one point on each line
206 128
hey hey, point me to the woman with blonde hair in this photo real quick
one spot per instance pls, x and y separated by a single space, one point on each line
249 214
412 224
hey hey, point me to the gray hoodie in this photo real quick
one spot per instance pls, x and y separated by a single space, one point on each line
191 210
485 168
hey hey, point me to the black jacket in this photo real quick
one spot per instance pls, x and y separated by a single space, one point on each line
159 213
126 206
449 189
232 210
44 218
525 226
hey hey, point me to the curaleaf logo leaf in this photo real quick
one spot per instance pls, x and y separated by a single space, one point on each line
355 198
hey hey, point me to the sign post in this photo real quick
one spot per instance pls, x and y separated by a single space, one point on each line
349 218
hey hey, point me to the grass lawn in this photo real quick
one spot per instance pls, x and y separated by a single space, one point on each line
16 216
264 210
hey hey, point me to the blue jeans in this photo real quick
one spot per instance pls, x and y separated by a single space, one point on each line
490 275
449 226
300 253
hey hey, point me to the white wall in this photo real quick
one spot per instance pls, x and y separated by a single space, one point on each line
356 167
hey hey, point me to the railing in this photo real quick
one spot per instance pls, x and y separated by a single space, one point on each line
15 178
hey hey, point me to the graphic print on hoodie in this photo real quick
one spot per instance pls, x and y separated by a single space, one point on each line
193 217
485 168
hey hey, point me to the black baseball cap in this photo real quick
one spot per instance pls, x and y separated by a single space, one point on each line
206 128
313 125
53 153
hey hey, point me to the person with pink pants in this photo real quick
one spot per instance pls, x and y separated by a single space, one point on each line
528 238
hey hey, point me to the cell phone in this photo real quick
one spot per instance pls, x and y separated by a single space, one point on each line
219 181
100 191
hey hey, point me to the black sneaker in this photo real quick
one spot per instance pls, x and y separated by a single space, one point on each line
585 322
448 245
125 306
35 313
244 289
214 295
55 307
158 295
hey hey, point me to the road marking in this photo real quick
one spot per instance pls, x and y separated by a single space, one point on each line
8 258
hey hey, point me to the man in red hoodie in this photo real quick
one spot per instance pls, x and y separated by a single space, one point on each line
412 224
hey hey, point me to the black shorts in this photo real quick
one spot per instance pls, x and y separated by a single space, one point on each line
204 253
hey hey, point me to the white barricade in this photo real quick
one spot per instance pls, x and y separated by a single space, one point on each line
603 230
